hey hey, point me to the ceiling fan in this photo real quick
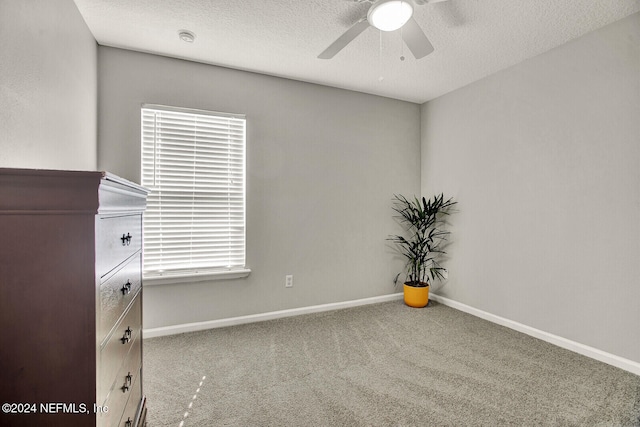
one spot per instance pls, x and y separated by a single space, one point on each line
387 15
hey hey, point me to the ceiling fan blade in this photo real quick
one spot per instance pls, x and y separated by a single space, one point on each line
345 39
415 39
422 2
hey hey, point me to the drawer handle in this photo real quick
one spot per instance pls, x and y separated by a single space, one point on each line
127 383
128 423
126 240
127 335
126 288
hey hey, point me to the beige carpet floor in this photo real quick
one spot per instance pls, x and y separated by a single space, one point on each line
380 365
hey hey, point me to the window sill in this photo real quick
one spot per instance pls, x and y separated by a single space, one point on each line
202 276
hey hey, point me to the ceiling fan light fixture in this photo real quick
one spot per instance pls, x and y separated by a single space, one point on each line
390 15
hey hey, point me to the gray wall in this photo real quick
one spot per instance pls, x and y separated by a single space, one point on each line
322 166
48 86
544 159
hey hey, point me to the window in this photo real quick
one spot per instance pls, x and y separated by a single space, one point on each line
194 164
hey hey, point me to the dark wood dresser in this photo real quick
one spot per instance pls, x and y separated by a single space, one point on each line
70 299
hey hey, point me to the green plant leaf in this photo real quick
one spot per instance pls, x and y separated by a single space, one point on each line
423 222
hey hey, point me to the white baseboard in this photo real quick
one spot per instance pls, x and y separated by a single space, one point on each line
220 323
594 353
585 350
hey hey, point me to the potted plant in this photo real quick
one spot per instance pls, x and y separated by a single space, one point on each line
422 219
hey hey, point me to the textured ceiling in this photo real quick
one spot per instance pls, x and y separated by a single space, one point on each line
472 38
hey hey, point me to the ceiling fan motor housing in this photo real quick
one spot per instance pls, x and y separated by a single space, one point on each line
390 15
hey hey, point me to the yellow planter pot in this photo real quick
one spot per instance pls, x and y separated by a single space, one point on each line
416 297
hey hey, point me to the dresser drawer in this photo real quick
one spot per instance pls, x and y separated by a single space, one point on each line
118 345
116 294
117 238
131 410
126 388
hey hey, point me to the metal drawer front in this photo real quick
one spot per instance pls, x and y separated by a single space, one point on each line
126 388
117 238
125 338
129 416
116 294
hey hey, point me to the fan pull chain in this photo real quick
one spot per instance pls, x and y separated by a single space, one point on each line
381 77
402 43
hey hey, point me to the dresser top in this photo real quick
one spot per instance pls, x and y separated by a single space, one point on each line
61 191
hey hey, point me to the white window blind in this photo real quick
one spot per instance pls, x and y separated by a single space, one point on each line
194 164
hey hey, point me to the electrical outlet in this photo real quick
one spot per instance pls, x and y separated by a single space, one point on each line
288 281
